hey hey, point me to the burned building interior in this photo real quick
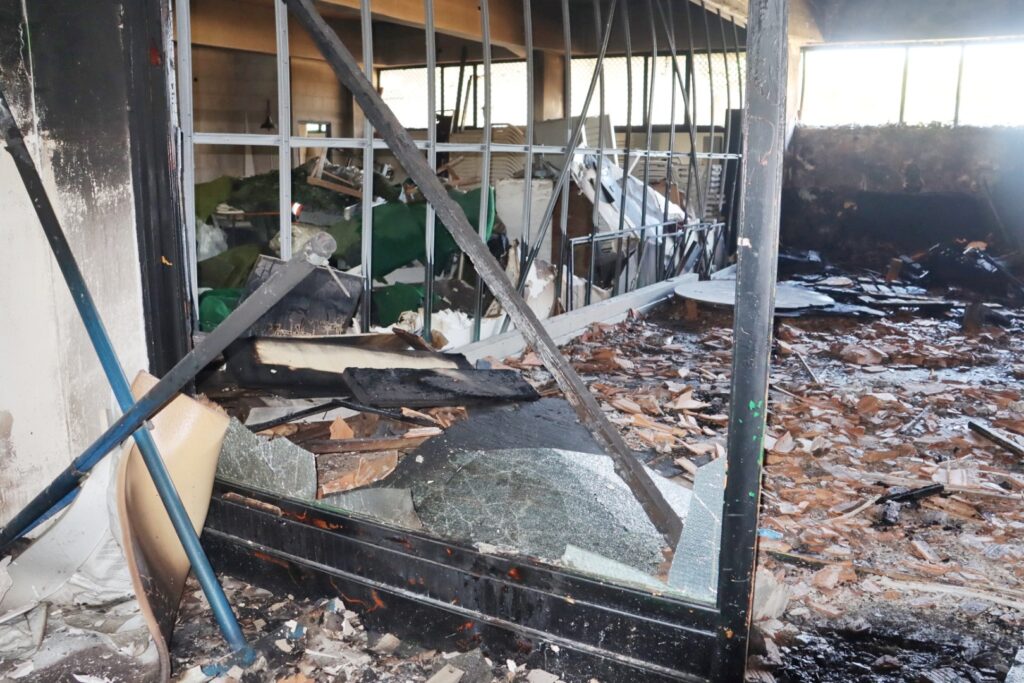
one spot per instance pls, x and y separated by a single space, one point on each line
512 340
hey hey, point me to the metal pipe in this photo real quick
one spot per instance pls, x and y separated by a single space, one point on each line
704 264
669 171
531 115
431 225
62 490
284 126
728 108
691 74
757 263
485 163
366 239
730 228
711 105
959 86
604 236
649 81
563 222
599 192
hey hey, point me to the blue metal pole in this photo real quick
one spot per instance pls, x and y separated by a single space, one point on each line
122 391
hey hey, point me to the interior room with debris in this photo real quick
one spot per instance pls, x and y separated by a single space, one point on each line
459 341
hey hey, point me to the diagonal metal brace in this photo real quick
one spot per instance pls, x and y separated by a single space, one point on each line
412 159
64 488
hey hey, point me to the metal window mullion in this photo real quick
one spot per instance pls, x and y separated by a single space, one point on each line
332 143
485 163
734 197
569 152
669 171
284 124
598 191
691 72
649 83
250 139
186 123
530 122
563 224
740 76
623 266
366 245
431 225
728 108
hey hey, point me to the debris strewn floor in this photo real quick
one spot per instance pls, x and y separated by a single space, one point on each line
303 641
859 410
891 533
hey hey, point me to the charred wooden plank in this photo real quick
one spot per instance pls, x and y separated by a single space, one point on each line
398 387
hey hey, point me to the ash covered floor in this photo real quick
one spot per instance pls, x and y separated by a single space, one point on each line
926 590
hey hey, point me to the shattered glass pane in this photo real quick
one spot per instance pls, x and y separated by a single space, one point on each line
694 569
539 501
274 465
387 505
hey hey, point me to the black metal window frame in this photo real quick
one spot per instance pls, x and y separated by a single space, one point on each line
376 567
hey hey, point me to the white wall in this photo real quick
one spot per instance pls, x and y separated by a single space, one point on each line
54 398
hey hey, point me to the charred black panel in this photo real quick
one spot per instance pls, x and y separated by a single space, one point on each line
448 595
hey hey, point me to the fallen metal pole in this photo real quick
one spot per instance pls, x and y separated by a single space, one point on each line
62 490
560 188
404 148
764 130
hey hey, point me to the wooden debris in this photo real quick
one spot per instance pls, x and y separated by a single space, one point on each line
404 442
341 430
996 437
347 471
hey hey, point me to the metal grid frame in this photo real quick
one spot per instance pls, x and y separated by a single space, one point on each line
707 233
757 226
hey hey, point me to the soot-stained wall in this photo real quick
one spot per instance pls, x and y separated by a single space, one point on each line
63 69
901 188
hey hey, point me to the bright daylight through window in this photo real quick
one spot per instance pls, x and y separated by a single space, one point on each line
949 83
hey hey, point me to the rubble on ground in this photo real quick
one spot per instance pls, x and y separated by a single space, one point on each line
306 641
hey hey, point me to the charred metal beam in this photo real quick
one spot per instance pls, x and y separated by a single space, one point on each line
404 148
757 255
